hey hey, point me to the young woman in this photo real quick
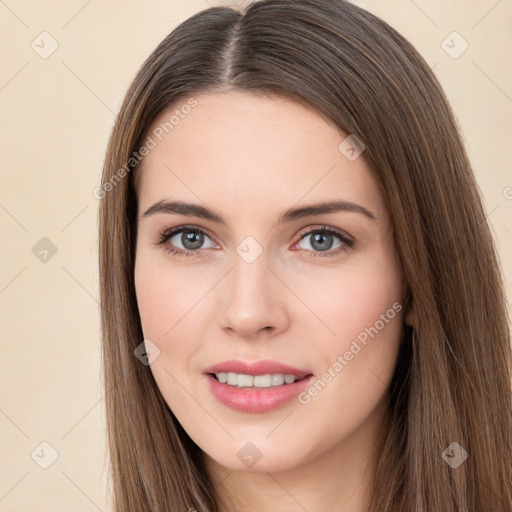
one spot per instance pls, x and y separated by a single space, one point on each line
302 307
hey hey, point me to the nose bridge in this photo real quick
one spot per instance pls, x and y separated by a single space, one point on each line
251 301
250 277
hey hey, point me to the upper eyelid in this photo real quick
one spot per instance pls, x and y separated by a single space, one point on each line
330 229
168 233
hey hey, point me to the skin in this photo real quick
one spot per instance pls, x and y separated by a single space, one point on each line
249 158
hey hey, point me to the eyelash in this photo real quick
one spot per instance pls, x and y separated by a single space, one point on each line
348 243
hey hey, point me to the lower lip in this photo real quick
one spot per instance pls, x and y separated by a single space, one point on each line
256 400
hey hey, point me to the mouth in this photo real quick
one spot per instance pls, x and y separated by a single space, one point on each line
269 380
258 393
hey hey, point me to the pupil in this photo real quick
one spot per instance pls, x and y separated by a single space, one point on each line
192 240
319 240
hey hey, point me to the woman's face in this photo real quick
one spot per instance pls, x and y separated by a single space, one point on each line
263 272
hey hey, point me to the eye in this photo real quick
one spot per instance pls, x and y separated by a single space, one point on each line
188 241
184 241
322 240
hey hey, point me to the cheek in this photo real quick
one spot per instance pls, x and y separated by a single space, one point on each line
352 298
167 300
360 307
165 294
152 299
364 310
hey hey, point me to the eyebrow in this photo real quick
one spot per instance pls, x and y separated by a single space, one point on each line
196 210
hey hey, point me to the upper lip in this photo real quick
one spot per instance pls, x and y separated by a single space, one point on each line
263 367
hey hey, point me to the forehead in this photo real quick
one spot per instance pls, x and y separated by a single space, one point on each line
241 147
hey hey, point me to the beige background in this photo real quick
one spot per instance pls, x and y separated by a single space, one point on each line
56 115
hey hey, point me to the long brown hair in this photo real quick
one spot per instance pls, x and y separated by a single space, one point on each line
453 377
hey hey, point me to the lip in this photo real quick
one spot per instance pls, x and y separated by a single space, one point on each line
256 400
263 367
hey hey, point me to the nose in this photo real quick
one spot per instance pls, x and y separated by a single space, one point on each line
253 300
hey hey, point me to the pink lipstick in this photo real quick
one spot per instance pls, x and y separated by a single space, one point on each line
256 387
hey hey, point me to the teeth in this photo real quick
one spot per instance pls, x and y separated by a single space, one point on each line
277 379
259 381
